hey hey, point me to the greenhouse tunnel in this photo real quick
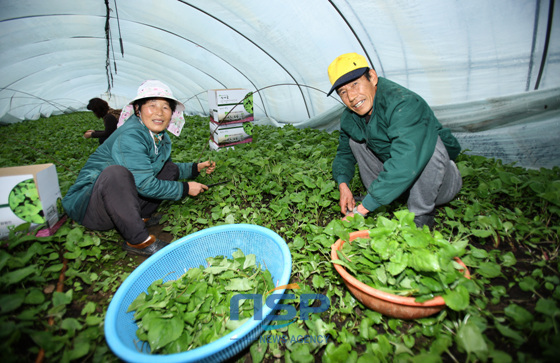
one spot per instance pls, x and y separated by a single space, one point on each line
489 69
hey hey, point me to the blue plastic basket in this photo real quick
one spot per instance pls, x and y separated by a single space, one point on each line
172 262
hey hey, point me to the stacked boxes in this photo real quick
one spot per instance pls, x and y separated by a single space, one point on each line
229 106
231 116
28 194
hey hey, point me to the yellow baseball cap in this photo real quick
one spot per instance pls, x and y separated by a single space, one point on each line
346 68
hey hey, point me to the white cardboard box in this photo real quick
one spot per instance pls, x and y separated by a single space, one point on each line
216 146
224 97
228 133
232 105
28 194
217 126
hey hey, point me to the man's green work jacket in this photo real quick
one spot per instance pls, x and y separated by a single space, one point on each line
402 132
133 147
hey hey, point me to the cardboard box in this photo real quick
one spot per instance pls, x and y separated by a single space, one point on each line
28 194
230 114
215 146
232 105
229 96
229 133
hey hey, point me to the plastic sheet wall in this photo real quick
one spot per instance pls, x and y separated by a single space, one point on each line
463 57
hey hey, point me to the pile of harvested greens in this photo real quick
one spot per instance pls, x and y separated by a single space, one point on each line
401 259
183 314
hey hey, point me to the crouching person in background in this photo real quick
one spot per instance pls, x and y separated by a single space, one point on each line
110 118
131 173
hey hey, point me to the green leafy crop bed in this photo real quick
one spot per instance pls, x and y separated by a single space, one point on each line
54 291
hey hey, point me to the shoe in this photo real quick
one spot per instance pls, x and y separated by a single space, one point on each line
152 221
425 220
147 248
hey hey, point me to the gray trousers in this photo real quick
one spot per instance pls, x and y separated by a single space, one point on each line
115 203
438 183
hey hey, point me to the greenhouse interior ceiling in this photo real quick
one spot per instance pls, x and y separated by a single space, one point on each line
489 69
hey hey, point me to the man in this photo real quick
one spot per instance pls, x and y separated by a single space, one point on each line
394 137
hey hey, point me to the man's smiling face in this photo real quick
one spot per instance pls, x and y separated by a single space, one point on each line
358 95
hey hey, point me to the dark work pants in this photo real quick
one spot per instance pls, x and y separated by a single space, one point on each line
438 183
115 203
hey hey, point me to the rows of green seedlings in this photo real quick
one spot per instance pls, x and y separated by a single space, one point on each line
282 180
66 322
507 217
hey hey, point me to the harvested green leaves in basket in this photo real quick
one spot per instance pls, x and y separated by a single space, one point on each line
194 310
401 259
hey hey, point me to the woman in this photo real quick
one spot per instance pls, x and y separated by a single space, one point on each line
126 178
102 110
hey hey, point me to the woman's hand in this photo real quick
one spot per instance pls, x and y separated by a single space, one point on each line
88 133
196 188
210 166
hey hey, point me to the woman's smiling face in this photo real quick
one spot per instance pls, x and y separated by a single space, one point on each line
156 114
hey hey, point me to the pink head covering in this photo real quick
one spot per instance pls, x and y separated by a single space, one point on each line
153 88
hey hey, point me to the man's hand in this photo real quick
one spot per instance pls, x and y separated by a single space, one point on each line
196 188
359 209
347 202
362 210
210 166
